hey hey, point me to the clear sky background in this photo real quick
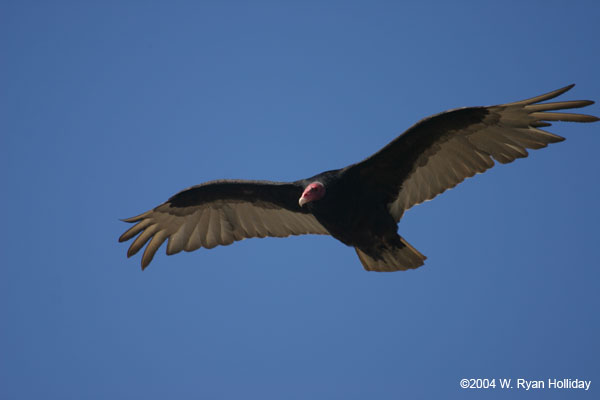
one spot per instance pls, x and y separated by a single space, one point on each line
108 108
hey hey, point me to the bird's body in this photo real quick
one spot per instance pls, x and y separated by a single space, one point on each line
360 205
361 219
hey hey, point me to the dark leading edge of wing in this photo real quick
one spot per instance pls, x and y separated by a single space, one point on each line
441 151
219 213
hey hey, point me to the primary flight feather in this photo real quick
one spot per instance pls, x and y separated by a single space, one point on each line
361 204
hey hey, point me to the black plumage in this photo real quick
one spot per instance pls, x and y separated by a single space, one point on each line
361 204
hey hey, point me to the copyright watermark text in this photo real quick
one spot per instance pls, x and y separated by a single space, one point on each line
525 384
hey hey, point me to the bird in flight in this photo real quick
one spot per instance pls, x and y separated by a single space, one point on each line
361 204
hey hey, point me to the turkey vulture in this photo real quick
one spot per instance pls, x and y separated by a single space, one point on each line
361 204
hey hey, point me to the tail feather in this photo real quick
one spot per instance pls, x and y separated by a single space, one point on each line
388 258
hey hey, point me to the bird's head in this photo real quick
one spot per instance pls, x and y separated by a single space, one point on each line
314 191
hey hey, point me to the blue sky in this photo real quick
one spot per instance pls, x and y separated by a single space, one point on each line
108 108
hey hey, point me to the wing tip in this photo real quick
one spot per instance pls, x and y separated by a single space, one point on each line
131 252
543 97
592 118
147 257
564 89
136 218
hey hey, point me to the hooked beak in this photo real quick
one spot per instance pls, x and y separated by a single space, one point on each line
302 201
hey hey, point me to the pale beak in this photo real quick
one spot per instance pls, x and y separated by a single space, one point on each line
302 201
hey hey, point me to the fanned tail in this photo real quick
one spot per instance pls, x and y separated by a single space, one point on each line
388 258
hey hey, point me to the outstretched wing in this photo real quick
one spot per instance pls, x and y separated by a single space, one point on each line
219 213
441 151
